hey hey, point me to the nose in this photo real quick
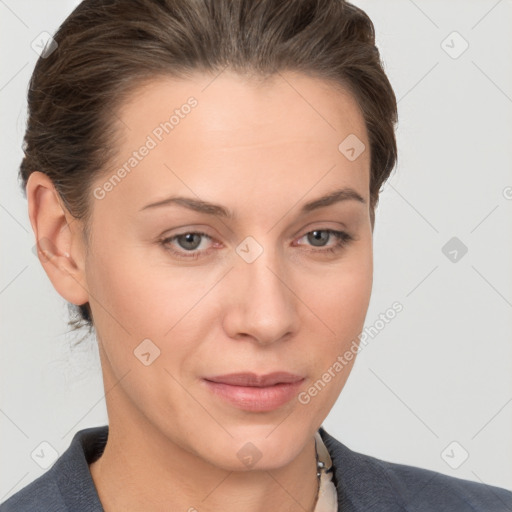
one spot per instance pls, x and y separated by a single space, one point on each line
263 303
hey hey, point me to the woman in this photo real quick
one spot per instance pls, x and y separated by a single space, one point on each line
202 178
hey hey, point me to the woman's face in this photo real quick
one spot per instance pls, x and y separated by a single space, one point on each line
180 295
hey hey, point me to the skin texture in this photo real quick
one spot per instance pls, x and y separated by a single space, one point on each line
261 150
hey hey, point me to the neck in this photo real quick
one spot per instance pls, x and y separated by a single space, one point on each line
142 469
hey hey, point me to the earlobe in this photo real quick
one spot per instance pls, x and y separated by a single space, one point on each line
58 237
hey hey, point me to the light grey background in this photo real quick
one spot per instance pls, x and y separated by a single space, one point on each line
441 371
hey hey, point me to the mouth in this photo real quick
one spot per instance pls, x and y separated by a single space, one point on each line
255 393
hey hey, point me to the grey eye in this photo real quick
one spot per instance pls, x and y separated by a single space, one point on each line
316 238
189 241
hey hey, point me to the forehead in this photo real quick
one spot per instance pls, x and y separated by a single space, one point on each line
209 134
230 104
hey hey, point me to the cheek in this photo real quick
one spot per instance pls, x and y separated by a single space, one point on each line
135 301
342 303
342 306
135 296
344 294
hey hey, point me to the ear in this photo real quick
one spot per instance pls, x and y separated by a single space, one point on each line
58 234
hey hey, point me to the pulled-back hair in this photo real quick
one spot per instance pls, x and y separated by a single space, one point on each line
107 48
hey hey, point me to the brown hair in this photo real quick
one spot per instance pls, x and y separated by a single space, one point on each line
106 48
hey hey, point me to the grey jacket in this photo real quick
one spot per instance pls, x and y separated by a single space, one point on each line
364 484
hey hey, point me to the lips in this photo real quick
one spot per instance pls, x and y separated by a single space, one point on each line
255 393
254 380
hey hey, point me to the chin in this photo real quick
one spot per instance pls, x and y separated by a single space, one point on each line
265 447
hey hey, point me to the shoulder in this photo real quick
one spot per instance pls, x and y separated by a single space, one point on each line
423 489
41 494
67 486
366 483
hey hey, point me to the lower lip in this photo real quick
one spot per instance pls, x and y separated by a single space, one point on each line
256 399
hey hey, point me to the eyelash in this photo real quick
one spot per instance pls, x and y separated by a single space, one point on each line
343 239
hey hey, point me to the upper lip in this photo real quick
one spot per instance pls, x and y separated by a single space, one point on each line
252 379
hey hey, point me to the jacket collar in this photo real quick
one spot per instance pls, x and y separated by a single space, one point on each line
360 480
72 472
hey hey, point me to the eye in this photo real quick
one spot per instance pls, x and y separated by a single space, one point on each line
190 241
318 237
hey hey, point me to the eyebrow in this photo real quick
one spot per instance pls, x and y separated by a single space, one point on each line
337 196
